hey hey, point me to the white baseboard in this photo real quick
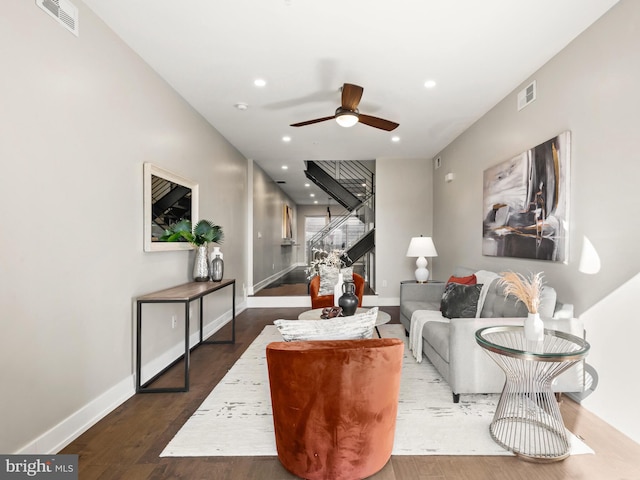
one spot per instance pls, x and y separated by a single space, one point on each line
278 302
58 437
61 435
152 367
388 301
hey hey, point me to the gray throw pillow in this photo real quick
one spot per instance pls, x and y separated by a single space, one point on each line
460 301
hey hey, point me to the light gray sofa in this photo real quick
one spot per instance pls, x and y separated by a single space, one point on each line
450 345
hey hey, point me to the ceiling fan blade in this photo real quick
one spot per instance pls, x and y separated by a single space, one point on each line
311 122
376 122
351 95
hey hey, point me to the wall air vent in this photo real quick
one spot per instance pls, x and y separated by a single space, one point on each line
63 11
526 95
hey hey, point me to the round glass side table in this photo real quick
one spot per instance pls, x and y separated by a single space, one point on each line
527 420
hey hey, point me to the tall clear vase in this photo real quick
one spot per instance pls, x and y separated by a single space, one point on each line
201 264
217 268
534 332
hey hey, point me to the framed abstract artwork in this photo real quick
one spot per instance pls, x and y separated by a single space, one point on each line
287 222
526 203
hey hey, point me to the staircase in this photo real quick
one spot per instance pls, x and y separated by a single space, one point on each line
351 184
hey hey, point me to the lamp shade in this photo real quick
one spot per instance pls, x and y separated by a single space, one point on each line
421 247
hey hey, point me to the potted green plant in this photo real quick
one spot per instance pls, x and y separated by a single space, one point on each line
204 232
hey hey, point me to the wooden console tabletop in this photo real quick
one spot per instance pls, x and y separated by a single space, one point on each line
184 294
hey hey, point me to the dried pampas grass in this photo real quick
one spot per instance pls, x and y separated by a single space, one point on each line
526 289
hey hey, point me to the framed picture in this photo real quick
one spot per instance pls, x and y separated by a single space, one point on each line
526 203
168 198
287 222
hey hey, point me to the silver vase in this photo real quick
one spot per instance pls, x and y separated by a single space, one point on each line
201 265
217 268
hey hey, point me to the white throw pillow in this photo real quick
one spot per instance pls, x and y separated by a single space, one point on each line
356 327
329 278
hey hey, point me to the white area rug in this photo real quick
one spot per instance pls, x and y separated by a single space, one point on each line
236 420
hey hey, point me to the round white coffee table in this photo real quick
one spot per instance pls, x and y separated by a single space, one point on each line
381 319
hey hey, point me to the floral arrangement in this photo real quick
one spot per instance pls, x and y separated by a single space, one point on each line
526 289
335 259
204 232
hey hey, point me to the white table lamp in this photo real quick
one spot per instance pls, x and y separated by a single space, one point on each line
421 247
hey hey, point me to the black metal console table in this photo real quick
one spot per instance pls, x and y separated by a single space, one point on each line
181 294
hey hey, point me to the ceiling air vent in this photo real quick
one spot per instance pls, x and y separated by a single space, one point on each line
63 11
527 95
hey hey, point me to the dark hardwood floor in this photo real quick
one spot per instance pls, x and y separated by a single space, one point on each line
127 443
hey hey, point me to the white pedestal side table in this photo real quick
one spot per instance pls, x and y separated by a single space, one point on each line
527 419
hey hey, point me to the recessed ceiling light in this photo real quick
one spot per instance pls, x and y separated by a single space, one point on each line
286 138
307 185
241 106
284 167
315 201
259 82
429 84
395 139
312 194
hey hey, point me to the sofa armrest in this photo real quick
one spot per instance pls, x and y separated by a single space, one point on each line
563 311
421 292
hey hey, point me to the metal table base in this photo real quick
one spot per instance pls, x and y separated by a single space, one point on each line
528 421
184 294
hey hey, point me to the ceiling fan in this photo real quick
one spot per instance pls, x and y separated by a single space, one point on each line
347 114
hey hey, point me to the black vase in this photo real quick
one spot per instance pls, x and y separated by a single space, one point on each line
348 301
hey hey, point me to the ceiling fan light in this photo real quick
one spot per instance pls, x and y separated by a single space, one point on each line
347 119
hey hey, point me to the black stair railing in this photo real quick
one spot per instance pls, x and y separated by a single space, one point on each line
351 184
332 186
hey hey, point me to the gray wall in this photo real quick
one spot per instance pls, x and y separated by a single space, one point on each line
590 88
404 209
79 117
270 258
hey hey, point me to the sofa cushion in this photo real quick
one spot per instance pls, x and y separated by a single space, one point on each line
548 299
437 335
497 305
407 308
460 301
354 327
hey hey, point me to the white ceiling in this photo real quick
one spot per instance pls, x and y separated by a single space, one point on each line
211 51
